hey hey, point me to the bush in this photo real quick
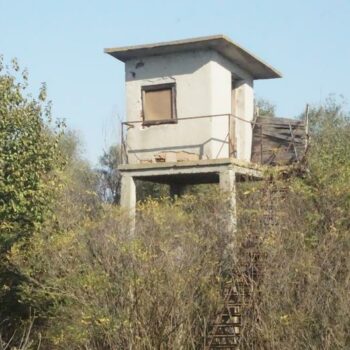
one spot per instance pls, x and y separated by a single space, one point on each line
104 288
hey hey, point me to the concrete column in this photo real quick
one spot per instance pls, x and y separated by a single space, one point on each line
176 190
228 186
128 197
244 109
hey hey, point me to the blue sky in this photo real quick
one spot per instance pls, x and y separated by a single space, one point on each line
61 42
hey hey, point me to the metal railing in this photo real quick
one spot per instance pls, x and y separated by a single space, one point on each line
228 139
230 136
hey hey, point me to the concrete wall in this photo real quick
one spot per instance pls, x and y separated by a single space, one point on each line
244 110
203 88
221 105
243 104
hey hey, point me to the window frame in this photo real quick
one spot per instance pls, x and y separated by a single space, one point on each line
159 87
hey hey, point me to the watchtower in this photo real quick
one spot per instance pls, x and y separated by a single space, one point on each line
189 113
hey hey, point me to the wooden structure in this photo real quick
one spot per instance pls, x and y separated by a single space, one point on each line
278 141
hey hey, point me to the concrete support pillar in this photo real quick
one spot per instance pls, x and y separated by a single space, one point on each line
176 190
228 186
128 197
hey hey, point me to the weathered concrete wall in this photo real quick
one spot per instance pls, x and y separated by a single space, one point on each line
244 110
191 73
203 88
244 104
221 105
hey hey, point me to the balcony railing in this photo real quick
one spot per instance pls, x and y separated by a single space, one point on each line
227 140
274 140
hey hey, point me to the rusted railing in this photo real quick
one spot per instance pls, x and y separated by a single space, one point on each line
228 139
265 140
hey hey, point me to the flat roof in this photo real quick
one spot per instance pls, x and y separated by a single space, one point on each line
220 43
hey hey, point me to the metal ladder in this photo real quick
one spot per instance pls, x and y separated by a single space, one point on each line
225 331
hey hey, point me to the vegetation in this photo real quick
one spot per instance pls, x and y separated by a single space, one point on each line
29 162
303 290
265 108
74 277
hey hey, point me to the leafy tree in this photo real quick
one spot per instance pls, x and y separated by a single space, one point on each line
77 198
329 159
29 160
110 178
28 155
265 108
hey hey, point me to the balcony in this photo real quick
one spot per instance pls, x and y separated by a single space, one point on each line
265 140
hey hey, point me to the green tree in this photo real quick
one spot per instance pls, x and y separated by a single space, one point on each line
265 108
328 162
110 178
77 198
29 160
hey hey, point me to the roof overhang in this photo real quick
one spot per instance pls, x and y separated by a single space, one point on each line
220 43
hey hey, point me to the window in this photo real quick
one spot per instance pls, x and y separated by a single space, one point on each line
158 102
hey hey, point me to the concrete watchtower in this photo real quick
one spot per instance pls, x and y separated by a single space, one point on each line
189 112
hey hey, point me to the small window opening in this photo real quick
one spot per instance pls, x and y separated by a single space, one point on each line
159 104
